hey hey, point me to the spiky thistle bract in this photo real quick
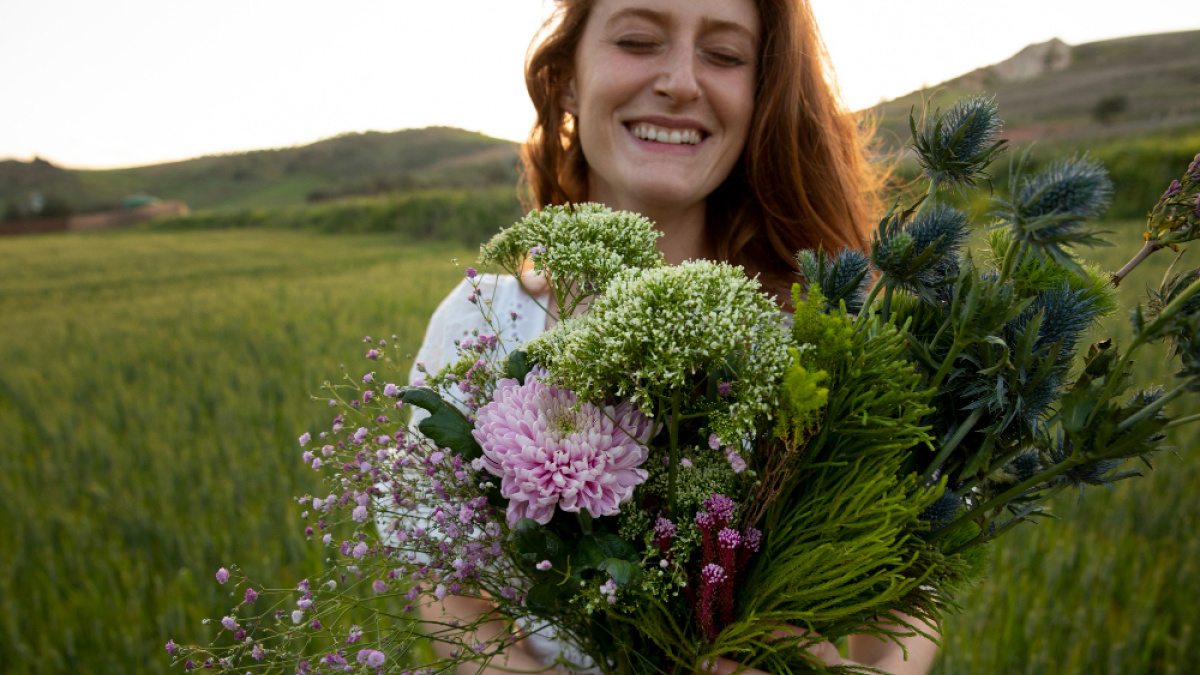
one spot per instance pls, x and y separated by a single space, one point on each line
919 252
955 148
1051 210
842 278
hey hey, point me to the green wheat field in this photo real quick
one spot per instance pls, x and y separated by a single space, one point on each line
153 385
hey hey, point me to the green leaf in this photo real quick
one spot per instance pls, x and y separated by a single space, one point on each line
544 596
517 366
596 549
621 571
446 425
535 543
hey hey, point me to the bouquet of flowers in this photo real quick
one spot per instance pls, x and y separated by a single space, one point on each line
685 470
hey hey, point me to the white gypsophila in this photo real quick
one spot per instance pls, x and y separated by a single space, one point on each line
659 333
587 244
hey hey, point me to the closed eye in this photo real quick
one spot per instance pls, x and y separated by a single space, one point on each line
726 59
637 45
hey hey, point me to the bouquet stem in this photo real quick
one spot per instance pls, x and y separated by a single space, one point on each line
673 469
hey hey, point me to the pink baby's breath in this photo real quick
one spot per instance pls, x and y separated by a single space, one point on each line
549 454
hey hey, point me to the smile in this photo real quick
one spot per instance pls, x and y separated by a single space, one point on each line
649 132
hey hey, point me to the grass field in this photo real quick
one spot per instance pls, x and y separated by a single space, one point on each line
153 384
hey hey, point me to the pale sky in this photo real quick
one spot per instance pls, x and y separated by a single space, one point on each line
127 82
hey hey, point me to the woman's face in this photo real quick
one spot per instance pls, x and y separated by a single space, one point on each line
663 94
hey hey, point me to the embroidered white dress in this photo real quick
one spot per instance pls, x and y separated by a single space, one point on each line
520 319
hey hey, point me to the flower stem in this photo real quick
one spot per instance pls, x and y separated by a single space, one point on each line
1016 250
944 453
1182 421
673 469
1007 495
1151 246
866 308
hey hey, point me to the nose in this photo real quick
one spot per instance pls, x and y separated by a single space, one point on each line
678 79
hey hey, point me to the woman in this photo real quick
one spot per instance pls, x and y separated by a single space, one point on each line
714 119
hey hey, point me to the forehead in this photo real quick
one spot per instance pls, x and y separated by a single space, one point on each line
734 15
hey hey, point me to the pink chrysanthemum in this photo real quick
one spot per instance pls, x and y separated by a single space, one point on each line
549 454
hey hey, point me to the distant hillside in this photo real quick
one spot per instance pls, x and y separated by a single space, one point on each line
1054 91
347 165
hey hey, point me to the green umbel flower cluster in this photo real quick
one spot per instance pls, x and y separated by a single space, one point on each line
657 336
582 246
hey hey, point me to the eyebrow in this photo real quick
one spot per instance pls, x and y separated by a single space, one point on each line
666 19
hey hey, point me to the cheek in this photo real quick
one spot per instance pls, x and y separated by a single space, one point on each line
738 111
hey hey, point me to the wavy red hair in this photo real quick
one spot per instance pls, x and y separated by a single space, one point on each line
803 180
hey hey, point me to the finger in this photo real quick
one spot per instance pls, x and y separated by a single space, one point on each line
534 283
823 650
724 666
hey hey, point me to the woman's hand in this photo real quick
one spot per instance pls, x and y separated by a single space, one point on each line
534 283
823 652
863 650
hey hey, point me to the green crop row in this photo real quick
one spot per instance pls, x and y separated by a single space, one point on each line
466 217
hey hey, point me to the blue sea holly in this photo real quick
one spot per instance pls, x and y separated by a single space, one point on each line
954 148
1049 210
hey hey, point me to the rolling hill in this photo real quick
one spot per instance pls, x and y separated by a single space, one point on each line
1053 91
346 165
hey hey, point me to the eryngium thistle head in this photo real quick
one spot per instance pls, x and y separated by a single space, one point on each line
1183 333
1067 313
1078 187
917 255
842 278
1025 465
943 510
955 148
659 332
585 243
1049 210
1091 472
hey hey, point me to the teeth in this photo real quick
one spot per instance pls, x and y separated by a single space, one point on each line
671 136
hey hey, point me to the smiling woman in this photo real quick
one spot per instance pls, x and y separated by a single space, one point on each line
642 78
778 165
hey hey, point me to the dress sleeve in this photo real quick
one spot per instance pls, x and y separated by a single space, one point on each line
451 322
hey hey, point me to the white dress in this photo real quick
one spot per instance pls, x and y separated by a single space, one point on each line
521 319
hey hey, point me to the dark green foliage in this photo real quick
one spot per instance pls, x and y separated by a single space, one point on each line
848 522
517 365
1108 107
446 425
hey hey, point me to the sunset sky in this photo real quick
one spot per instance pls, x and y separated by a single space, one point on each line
129 82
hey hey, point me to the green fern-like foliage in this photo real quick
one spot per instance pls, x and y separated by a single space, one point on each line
843 543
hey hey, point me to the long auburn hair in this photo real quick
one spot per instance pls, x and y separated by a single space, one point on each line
802 181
